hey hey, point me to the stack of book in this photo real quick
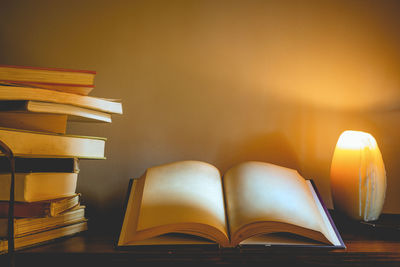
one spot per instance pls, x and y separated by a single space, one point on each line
35 106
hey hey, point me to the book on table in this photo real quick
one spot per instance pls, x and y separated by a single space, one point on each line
45 116
31 225
49 183
44 208
58 79
38 122
35 106
38 186
44 236
46 205
27 165
39 144
12 93
43 99
74 113
254 203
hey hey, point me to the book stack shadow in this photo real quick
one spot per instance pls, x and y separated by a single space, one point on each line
35 106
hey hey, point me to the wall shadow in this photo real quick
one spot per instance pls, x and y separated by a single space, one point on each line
270 147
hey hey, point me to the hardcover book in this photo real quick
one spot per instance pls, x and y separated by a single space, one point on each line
48 208
38 144
38 186
43 237
27 165
254 203
67 88
39 122
27 226
66 80
28 93
19 108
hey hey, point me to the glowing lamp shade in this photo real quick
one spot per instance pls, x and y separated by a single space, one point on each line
358 176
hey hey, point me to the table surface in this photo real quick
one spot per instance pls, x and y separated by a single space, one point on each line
367 245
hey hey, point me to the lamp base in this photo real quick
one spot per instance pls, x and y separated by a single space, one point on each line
385 222
386 227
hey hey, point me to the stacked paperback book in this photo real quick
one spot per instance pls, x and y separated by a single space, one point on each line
35 106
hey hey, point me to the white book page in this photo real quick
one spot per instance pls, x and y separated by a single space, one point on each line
182 192
257 191
329 231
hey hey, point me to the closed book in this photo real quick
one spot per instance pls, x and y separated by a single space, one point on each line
27 165
43 237
67 88
67 80
33 186
26 226
37 144
51 207
29 93
40 122
74 113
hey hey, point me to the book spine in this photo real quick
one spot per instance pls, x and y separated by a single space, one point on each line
23 210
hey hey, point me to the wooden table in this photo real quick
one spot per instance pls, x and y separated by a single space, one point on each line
366 246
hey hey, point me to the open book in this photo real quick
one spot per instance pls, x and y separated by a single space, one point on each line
188 202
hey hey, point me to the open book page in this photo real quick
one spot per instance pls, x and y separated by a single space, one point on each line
257 192
279 239
132 208
183 197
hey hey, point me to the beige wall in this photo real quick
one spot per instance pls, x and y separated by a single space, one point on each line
220 81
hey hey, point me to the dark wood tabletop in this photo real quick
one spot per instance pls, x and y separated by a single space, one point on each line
367 245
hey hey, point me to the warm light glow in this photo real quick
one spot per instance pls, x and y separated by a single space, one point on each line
356 140
358 176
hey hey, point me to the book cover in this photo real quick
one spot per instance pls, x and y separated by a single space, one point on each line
38 75
37 94
38 186
32 225
39 144
27 165
50 208
43 237
74 113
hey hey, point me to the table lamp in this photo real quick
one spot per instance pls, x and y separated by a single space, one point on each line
358 176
